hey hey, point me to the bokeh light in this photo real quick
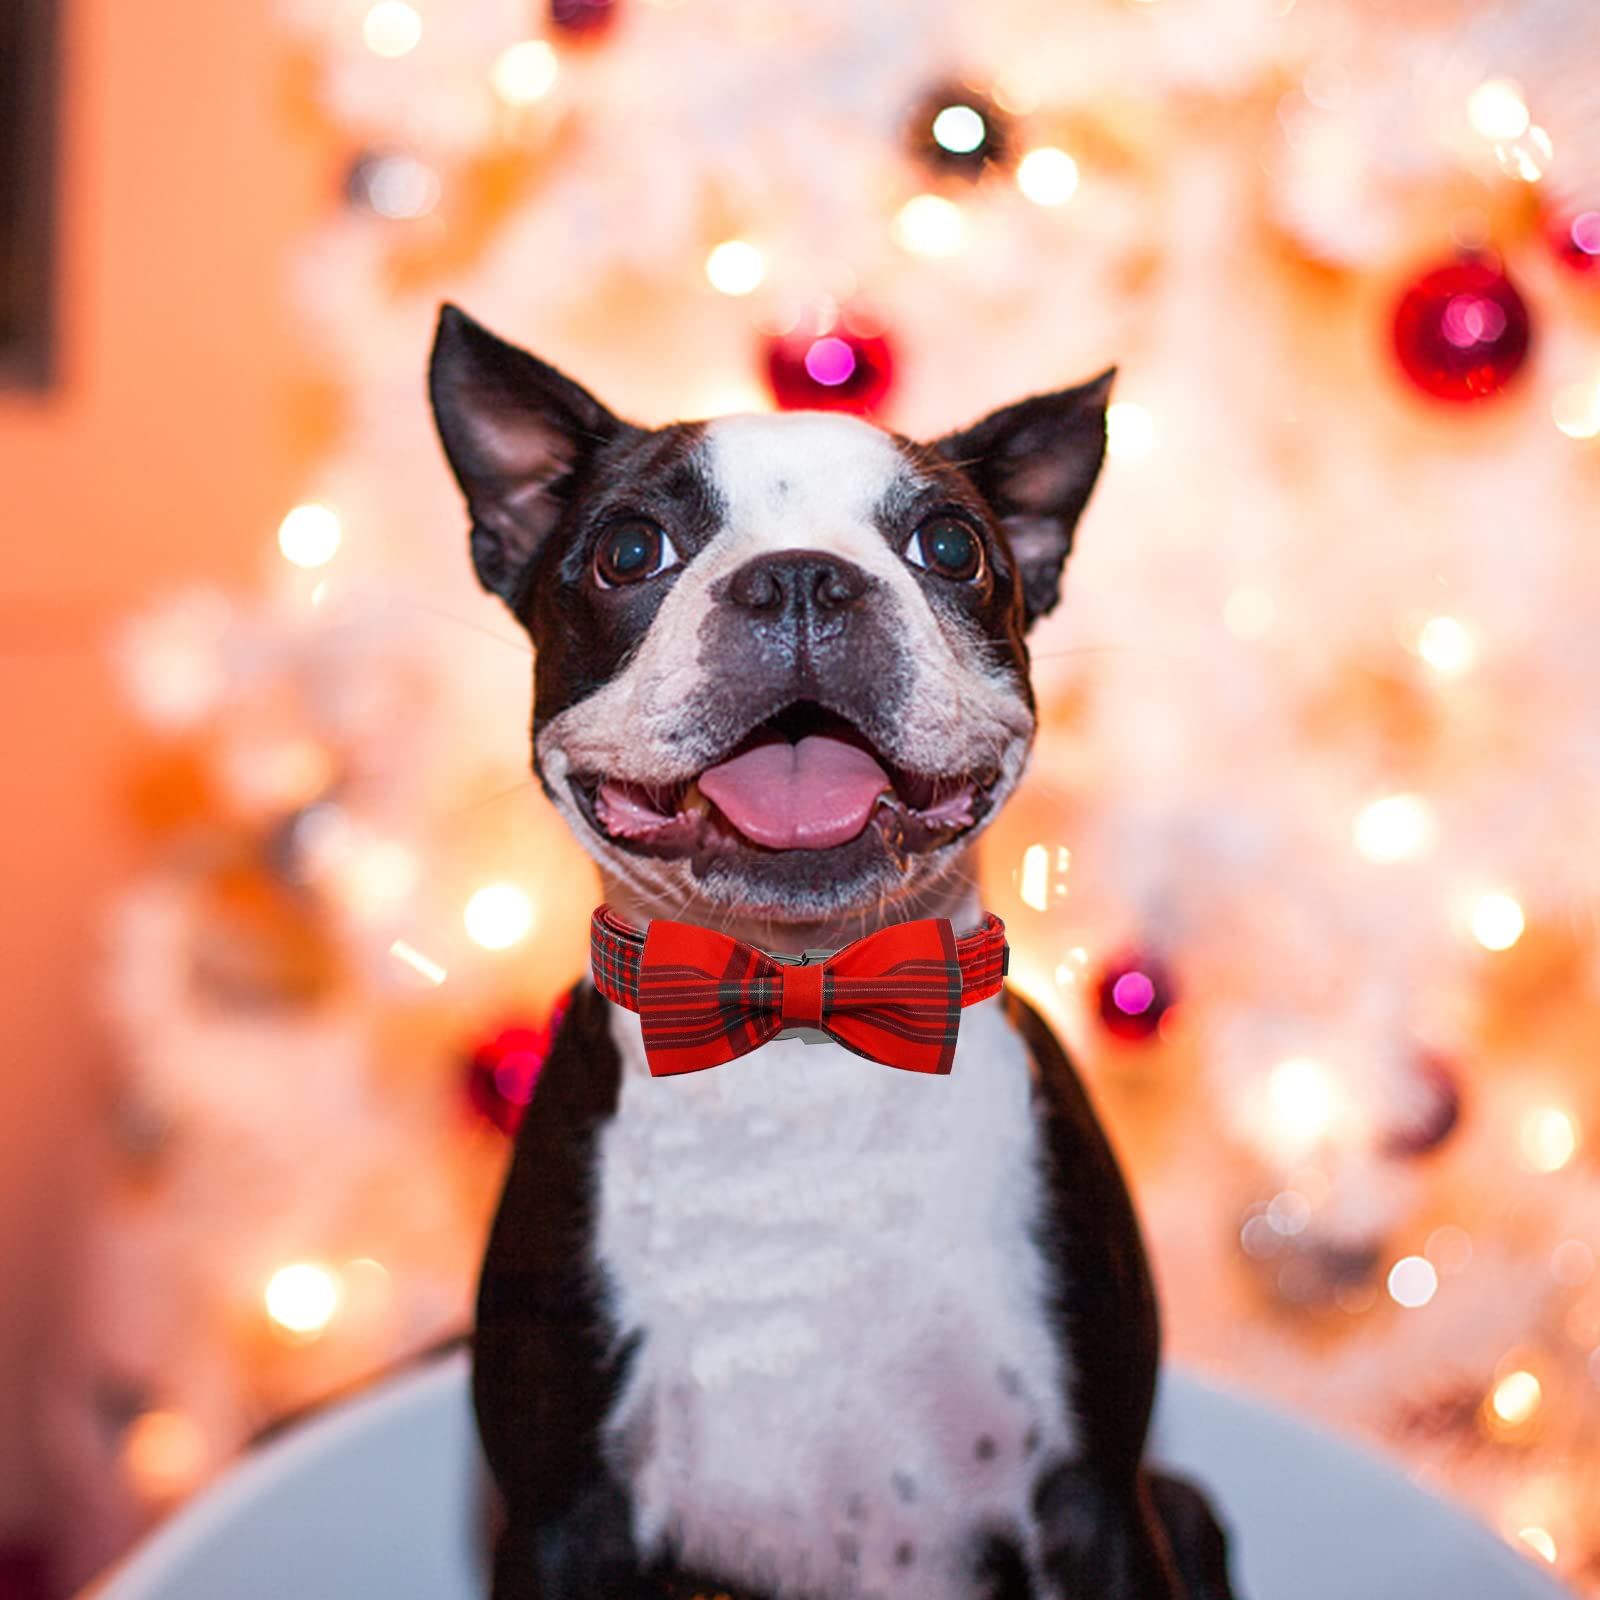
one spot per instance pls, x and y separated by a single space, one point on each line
1447 645
930 225
309 536
498 916
1048 176
1413 1282
1395 828
1497 110
959 129
392 28
525 72
1547 1138
164 1455
1497 921
302 1298
736 267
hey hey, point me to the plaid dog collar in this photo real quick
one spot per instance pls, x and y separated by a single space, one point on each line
703 998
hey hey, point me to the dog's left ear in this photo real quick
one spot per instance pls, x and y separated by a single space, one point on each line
517 434
1035 464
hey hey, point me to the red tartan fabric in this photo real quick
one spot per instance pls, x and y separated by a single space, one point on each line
703 998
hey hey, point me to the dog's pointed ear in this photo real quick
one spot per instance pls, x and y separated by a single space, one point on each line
1035 464
516 433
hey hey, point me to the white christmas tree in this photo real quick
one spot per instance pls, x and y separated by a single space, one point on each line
1306 866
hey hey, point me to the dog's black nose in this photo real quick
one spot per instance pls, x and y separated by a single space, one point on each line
801 583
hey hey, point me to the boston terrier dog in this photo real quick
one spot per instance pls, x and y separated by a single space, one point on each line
803 1325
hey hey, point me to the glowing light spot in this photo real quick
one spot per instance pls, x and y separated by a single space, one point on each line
1133 994
1289 1212
1539 1541
1548 1138
1576 410
1035 887
1497 922
392 29
498 916
400 188
410 956
1413 1282
1074 967
309 536
1303 1102
302 1298
1516 1398
959 129
1448 646
1497 110
1396 828
1527 158
1130 431
1249 613
164 1455
736 267
525 72
1047 176
930 225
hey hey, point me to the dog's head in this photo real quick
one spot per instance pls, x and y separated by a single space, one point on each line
780 669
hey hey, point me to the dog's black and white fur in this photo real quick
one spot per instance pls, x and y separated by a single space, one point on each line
801 1325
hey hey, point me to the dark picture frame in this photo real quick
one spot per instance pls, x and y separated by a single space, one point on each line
28 103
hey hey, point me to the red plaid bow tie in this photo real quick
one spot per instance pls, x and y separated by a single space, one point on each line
703 998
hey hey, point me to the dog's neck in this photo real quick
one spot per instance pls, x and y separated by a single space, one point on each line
955 895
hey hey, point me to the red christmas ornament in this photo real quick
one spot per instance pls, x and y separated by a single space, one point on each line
1433 1112
502 1071
836 368
584 19
1575 237
1135 992
1462 332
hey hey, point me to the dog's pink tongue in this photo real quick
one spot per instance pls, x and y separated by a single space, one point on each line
806 796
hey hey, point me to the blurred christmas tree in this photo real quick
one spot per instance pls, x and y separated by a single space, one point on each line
1307 866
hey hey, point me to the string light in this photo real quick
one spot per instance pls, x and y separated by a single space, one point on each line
302 1298
525 72
1035 886
959 129
1516 1397
930 225
1048 176
498 916
410 956
1447 646
392 29
1548 1138
1497 922
1396 828
1497 110
1130 431
163 1455
1527 158
400 188
736 267
309 536
1538 1540
1413 1282
1303 1103
1576 410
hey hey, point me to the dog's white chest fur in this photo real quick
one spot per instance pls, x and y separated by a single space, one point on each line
846 1368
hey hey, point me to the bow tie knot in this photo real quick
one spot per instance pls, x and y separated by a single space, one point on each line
704 998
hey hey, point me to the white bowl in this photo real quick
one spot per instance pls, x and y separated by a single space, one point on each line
384 1495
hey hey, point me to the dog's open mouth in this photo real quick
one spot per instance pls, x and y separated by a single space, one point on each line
804 780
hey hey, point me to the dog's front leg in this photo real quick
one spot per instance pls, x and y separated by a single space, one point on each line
1102 1538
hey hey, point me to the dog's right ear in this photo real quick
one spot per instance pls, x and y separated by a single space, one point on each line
516 432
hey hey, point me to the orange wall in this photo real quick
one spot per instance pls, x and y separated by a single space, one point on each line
163 455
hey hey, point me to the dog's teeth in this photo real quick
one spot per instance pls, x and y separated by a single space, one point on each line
693 804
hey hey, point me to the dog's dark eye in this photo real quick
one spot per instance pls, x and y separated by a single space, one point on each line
946 545
632 551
